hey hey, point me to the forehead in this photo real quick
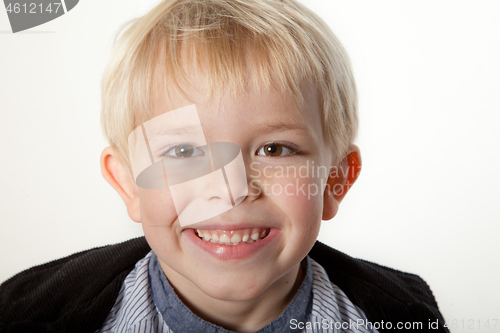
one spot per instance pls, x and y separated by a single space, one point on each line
263 111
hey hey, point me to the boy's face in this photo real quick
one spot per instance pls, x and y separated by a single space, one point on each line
286 160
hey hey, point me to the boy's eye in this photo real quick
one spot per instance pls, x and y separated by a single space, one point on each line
182 151
274 150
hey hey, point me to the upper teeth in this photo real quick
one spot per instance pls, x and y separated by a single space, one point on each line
233 237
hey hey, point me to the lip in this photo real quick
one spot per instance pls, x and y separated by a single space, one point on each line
231 252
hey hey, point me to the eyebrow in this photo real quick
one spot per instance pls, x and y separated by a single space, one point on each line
280 127
196 130
168 130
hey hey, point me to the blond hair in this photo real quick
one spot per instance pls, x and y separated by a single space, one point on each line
289 45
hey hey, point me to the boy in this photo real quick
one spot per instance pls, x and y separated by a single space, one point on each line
231 126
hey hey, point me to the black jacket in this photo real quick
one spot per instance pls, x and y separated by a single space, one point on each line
76 293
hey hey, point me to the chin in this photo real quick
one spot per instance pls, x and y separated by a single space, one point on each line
233 288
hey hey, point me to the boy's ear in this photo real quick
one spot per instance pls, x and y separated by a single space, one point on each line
340 180
116 174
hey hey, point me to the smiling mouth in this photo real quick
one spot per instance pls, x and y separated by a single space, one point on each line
233 237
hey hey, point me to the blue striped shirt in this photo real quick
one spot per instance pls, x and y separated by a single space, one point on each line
135 310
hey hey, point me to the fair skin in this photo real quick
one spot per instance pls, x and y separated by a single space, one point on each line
248 292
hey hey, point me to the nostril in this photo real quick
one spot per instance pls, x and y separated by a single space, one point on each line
240 199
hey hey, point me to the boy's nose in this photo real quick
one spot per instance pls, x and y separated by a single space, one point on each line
227 181
201 198
214 187
228 158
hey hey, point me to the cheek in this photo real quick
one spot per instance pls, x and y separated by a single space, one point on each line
158 217
157 208
303 206
300 197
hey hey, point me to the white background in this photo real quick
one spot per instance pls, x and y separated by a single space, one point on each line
427 201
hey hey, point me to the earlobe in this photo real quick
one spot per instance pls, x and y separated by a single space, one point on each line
116 174
330 205
340 180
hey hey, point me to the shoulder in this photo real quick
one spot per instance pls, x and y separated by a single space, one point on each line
381 292
134 306
72 294
331 305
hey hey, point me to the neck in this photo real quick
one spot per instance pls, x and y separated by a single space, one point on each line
238 315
